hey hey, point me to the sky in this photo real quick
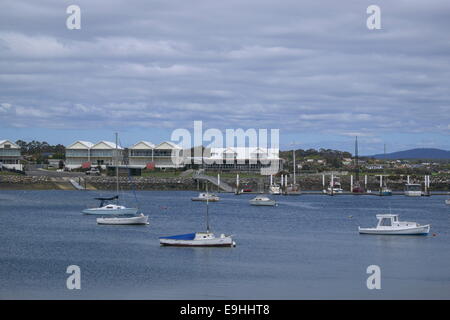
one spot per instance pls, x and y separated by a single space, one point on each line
309 68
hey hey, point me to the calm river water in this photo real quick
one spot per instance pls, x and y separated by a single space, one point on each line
307 247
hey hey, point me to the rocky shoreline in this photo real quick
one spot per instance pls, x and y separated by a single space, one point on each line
307 183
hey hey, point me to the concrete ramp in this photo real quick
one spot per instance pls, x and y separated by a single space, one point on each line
76 185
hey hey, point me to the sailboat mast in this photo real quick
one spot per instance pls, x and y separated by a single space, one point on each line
117 166
356 160
293 160
207 207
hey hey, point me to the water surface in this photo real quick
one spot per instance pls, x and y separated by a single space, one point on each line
307 247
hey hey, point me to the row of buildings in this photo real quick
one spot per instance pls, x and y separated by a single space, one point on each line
145 154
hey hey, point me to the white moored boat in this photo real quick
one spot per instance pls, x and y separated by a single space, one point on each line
275 189
198 239
205 196
413 190
110 208
140 219
107 208
388 224
262 201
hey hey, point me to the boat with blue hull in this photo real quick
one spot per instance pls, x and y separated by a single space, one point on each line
198 239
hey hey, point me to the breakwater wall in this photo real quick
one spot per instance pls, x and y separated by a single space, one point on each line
307 182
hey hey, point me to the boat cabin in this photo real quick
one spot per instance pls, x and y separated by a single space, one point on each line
413 187
387 220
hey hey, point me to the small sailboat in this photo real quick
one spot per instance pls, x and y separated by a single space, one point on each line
388 224
206 196
107 208
140 219
262 201
198 239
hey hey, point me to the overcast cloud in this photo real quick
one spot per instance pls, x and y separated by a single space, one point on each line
311 68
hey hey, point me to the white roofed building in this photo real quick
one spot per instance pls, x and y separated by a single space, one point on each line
141 154
10 155
99 154
255 159
168 155
78 153
105 153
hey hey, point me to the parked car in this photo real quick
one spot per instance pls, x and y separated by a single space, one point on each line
93 172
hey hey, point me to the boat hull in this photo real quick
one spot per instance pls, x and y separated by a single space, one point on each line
263 203
199 239
218 242
104 212
140 220
420 230
447 201
413 193
386 193
204 200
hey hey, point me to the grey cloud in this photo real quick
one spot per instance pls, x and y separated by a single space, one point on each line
298 65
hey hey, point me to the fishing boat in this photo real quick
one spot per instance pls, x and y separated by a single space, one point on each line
107 208
205 196
385 191
413 189
140 219
199 239
335 186
275 189
388 224
262 201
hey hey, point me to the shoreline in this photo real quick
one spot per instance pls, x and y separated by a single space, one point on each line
307 183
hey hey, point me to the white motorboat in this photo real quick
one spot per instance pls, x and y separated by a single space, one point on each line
140 219
413 190
205 196
388 224
447 201
199 239
275 189
262 201
334 186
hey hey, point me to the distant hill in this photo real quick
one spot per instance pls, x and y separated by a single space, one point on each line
419 153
